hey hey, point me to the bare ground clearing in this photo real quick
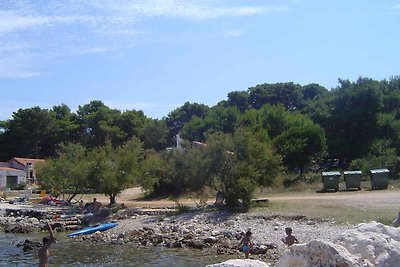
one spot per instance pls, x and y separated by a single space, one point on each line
378 198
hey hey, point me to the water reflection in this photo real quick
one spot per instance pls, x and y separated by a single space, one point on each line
66 252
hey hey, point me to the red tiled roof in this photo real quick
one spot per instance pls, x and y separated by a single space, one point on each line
25 161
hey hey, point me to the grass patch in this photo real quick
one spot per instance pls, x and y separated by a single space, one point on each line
328 209
180 209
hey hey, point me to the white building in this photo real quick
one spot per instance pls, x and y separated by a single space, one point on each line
10 177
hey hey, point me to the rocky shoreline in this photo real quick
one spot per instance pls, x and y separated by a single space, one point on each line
219 232
212 231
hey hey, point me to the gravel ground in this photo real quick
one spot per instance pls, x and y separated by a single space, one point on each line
266 229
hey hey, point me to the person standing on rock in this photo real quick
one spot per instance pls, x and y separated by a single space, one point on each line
44 250
245 244
289 239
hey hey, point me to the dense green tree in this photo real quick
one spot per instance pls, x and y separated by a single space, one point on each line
115 169
195 129
30 133
68 174
222 119
353 124
99 123
66 124
287 94
131 122
177 118
238 99
155 172
154 134
239 164
316 103
301 145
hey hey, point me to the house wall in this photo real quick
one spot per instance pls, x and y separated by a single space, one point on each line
16 165
7 172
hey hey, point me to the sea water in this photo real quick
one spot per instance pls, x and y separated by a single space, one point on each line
67 252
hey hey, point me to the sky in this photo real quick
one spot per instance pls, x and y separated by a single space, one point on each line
155 55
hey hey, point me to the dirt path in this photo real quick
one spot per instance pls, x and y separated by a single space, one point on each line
390 198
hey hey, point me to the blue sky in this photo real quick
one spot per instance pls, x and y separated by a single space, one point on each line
154 55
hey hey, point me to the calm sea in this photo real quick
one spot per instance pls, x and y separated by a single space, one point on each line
68 253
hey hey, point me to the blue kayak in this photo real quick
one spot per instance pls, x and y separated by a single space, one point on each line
93 229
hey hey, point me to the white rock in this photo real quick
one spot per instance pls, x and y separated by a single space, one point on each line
215 233
319 253
240 263
374 241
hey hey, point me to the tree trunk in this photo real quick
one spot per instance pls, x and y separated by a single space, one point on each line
71 197
113 199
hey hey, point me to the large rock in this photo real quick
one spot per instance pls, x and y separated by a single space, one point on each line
396 222
240 263
373 241
368 244
319 253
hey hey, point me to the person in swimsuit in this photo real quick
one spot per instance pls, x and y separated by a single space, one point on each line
245 244
44 250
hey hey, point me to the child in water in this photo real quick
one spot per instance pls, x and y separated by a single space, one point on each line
290 239
245 244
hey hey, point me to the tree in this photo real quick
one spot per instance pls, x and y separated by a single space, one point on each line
114 169
31 133
239 164
222 119
287 94
194 129
238 99
66 124
353 124
68 174
99 123
300 145
154 134
178 117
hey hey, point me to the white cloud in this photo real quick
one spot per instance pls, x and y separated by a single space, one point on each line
34 34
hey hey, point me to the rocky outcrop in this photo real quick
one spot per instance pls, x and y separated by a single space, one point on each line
240 263
318 253
377 243
368 244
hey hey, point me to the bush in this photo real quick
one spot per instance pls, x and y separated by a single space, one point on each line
390 162
182 209
21 186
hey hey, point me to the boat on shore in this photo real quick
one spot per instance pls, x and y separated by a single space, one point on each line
93 229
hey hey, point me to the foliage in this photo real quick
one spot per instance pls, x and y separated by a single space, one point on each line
357 121
114 169
177 118
154 134
353 124
67 175
239 164
31 133
301 145
380 157
20 186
